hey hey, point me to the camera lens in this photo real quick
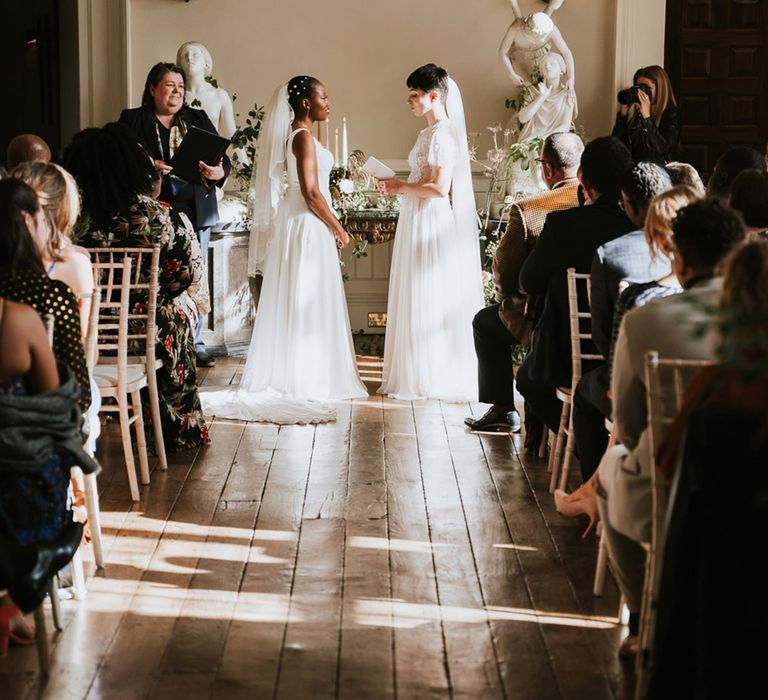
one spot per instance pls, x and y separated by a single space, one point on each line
627 96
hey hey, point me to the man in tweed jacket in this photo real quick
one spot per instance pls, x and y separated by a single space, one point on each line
500 326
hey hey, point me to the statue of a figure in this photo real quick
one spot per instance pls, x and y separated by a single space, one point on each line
552 105
197 63
528 39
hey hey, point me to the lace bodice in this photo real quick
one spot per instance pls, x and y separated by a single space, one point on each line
436 147
324 165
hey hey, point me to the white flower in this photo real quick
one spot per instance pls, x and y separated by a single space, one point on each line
346 186
509 199
486 278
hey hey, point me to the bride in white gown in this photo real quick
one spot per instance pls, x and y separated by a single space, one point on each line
435 283
301 352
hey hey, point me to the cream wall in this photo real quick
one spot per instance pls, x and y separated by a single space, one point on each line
364 50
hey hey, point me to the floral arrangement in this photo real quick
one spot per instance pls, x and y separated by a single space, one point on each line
505 162
353 190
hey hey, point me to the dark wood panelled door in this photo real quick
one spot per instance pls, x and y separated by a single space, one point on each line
717 59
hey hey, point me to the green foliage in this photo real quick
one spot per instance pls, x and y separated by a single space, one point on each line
244 141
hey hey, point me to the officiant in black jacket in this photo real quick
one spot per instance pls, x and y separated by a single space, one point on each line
160 125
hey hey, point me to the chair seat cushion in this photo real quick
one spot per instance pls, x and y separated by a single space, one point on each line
105 376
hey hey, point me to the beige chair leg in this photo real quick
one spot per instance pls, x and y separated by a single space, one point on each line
557 453
53 594
157 424
141 437
41 637
90 488
125 433
570 443
601 567
542 453
78 576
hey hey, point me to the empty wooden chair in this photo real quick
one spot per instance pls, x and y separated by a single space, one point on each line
118 380
142 332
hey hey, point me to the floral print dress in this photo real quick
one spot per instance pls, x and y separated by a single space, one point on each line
145 224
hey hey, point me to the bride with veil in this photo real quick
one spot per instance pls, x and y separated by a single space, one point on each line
301 353
435 283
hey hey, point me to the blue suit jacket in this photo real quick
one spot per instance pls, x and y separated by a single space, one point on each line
626 258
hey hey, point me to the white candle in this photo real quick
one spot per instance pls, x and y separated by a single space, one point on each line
344 143
336 150
327 143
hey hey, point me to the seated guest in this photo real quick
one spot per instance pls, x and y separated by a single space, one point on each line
569 239
729 165
624 259
749 197
23 278
57 193
704 233
500 326
685 174
26 147
160 125
722 422
658 234
117 211
39 431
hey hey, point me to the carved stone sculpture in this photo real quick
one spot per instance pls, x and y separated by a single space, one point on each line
197 63
528 41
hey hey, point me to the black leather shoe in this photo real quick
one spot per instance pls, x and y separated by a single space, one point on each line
29 590
205 359
495 421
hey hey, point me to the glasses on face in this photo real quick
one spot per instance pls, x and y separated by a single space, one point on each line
543 161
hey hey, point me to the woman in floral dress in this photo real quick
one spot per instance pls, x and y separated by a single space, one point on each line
117 211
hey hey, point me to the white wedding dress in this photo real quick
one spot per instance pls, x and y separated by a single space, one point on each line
435 289
301 352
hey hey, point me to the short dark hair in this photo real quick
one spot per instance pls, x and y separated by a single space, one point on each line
18 251
563 150
729 165
299 88
155 75
685 174
604 162
705 231
429 77
643 181
108 190
749 196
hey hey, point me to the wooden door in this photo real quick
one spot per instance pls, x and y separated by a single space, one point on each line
717 59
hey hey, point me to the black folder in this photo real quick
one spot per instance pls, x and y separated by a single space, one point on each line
197 145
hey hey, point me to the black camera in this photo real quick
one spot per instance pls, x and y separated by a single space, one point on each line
630 96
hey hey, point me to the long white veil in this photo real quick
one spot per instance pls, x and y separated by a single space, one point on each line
462 191
268 179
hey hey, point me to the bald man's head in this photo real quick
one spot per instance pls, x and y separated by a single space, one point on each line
26 147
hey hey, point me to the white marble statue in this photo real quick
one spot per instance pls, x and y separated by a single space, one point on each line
197 63
552 105
528 39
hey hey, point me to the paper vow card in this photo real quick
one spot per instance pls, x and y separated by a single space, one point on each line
377 169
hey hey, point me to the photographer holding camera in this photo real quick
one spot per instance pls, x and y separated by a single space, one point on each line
648 121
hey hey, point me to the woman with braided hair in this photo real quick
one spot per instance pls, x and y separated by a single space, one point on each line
301 353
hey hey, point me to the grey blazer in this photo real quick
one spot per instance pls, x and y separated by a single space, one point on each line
670 327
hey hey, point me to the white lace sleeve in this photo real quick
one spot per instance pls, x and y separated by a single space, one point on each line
442 148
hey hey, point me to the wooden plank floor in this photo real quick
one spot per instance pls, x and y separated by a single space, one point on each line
390 554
